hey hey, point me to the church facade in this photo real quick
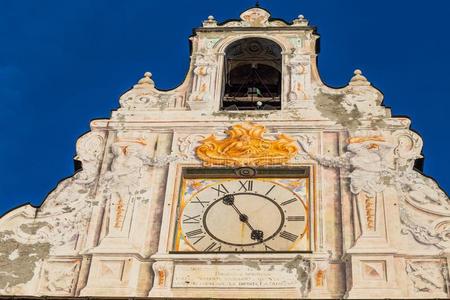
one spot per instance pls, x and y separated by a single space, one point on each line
252 179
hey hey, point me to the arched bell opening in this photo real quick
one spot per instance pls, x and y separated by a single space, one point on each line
252 79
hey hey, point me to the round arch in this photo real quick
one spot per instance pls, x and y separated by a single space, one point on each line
252 74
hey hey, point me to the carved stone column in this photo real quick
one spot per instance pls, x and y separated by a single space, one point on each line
300 90
204 81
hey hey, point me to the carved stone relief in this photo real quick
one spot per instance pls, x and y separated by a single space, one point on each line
423 193
362 96
59 278
427 277
364 160
245 145
300 77
436 234
122 185
187 144
144 96
205 64
373 163
254 17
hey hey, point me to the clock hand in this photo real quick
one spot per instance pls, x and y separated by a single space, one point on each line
256 235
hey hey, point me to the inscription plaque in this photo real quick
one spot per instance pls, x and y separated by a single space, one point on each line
234 276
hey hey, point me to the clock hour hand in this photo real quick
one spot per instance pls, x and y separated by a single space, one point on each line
256 235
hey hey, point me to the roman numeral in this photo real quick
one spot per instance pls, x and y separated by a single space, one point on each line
288 201
295 218
221 189
273 186
211 248
268 248
196 235
191 220
288 236
246 185
202 203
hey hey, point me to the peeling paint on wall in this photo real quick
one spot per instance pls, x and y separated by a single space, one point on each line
18 261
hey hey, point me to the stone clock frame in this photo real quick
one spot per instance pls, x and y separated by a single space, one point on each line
288 172
169 264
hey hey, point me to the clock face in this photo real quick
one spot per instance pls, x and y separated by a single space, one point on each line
244 215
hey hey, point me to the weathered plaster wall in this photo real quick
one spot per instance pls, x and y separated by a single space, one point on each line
380 227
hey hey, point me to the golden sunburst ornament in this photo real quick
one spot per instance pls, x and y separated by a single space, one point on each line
246 146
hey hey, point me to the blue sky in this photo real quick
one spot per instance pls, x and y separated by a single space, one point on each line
63 63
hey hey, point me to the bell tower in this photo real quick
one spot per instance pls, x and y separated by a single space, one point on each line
255 63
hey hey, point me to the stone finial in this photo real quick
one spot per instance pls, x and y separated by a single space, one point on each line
300 21
358 79
146 80
143 94
210 22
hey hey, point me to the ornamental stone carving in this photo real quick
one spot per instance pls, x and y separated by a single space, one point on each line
361 95
121 185
364 160
205 65
300 84
59 278
427 277
246 146
435 234
144 96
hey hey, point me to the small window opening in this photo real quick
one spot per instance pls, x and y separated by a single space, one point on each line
252 75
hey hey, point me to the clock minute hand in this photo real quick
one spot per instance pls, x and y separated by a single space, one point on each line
255 234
